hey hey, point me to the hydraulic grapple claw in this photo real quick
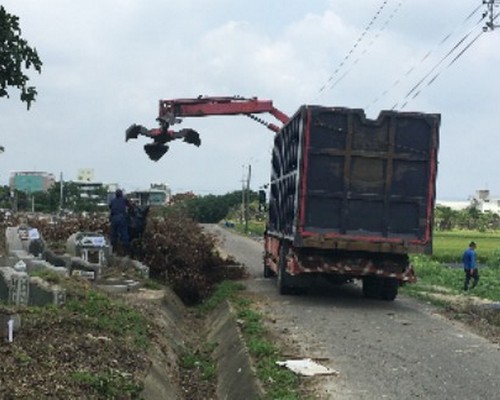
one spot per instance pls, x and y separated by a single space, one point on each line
134 131
155 151
191 136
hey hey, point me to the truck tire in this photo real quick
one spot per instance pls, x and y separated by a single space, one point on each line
268 272
373 287
390 289
282 279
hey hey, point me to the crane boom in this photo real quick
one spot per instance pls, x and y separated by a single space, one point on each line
171 111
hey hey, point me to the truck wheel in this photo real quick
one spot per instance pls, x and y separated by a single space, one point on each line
390 289
268 272
281 280
372 287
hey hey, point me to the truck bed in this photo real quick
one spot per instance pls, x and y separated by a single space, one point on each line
342 181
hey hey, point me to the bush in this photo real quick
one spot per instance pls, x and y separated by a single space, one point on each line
180 254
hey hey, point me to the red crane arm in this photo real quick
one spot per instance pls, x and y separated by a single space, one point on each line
171 110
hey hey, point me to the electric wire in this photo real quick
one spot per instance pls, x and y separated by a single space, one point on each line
460 54
407 100
355 46
405 75
365 50
416 88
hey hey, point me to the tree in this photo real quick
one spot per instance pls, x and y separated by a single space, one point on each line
445 218
15 56
75 199
213 208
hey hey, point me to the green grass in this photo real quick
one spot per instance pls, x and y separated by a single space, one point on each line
279 383
112 316
449 246
152 284
201 359
432 274
111 384
223 291
255 227
48 275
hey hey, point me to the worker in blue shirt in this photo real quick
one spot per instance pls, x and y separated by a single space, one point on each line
469 259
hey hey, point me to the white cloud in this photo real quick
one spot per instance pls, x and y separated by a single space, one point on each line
107 63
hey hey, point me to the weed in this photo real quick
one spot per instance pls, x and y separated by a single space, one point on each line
22 357
494 261
152 284
223 291
279 383
189 360
201 360
432 274
252 322
48 275
106 315
261 348
254 227
110 384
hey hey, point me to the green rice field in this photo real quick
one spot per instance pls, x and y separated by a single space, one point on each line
444 268
449 246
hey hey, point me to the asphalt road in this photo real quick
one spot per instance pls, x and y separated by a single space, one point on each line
381 350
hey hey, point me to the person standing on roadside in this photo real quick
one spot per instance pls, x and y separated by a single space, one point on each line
118 207
469 259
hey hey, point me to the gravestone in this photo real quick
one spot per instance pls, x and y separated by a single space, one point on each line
89 246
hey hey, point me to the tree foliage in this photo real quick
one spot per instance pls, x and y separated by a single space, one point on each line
73 199
210 208
471 218
16 56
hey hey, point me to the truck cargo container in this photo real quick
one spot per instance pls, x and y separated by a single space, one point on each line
350 197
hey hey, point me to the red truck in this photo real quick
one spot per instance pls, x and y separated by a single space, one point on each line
350 197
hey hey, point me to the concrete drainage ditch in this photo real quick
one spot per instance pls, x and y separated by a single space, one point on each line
235 375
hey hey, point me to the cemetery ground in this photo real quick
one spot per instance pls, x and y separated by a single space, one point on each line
105 344
98 345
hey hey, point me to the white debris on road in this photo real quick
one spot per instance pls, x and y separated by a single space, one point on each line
307 367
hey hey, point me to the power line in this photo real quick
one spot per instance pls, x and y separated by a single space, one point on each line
354 47
424 58
415 90
492 19
449 65
382 28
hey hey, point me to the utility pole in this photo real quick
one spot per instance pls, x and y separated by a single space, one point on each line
490 23
242 213
61 193
245 196
247 204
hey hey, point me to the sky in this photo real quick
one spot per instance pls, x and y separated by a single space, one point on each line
106 64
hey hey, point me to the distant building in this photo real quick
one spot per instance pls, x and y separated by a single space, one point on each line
85 175
31 181
90 189
156 195
482 201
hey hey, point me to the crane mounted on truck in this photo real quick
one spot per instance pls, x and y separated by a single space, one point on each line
350 197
